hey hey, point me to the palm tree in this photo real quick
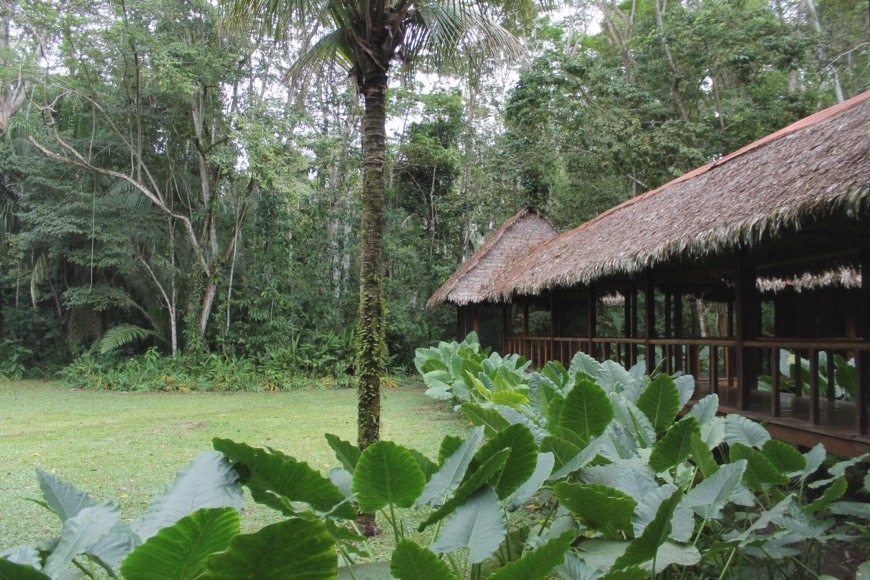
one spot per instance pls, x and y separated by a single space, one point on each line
366 37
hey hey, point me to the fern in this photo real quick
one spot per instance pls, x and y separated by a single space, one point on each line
120 335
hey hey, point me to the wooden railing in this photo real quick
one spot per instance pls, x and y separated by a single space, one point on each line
810 397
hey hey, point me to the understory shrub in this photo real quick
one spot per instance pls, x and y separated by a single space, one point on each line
153 371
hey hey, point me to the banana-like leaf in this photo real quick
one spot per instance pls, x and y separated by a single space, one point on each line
448 478
207 482
387 474
61 497
540 562
759 470
347 453
587 410
660 402
739 429
412 562
13 571
598 506
521 461
656 533
180 550
289 550
675 446
479 524
490 419
80 533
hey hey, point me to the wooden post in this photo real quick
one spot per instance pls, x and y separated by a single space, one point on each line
668 334
814 386
626 303
649 322
527 351
678 333
747 306
634 333
505 326
475 309
553 323
592 306
862 390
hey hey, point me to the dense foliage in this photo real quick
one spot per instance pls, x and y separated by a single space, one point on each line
619 483
161 186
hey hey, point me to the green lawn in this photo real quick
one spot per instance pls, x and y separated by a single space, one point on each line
127 447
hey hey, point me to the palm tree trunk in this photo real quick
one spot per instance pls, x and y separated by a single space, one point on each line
370 357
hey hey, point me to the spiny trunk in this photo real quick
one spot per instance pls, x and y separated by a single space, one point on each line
371 308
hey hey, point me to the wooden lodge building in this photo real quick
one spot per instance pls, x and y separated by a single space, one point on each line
745 273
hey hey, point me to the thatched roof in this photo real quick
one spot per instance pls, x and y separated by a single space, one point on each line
814 168
475 277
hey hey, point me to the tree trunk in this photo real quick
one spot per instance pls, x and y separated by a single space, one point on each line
371 307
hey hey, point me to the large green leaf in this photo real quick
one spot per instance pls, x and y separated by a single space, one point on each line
468 487
759 470
521 461
563 451
207 482
387 474
582 459
346 452
13 571
80 533
710 496
598 506
675 446
413 562
612 374
784 456
287 550
633 420
479 524
587 410
703 457
61 497
180 551
656 533
543 469
427 466
831 493
539 563
705 409
449 476
276 479
583 363
490 419
660 402
739 429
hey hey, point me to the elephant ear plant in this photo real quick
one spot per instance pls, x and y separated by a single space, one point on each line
93 533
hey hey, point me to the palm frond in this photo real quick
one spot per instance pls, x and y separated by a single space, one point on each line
276 19
37 275
121 335
444 31
331 48
127 195
84 322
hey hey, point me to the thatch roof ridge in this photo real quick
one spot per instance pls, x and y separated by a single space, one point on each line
592 250
449 290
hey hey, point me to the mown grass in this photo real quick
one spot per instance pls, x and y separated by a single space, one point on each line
127 447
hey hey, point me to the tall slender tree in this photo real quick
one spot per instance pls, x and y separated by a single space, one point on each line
367 37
